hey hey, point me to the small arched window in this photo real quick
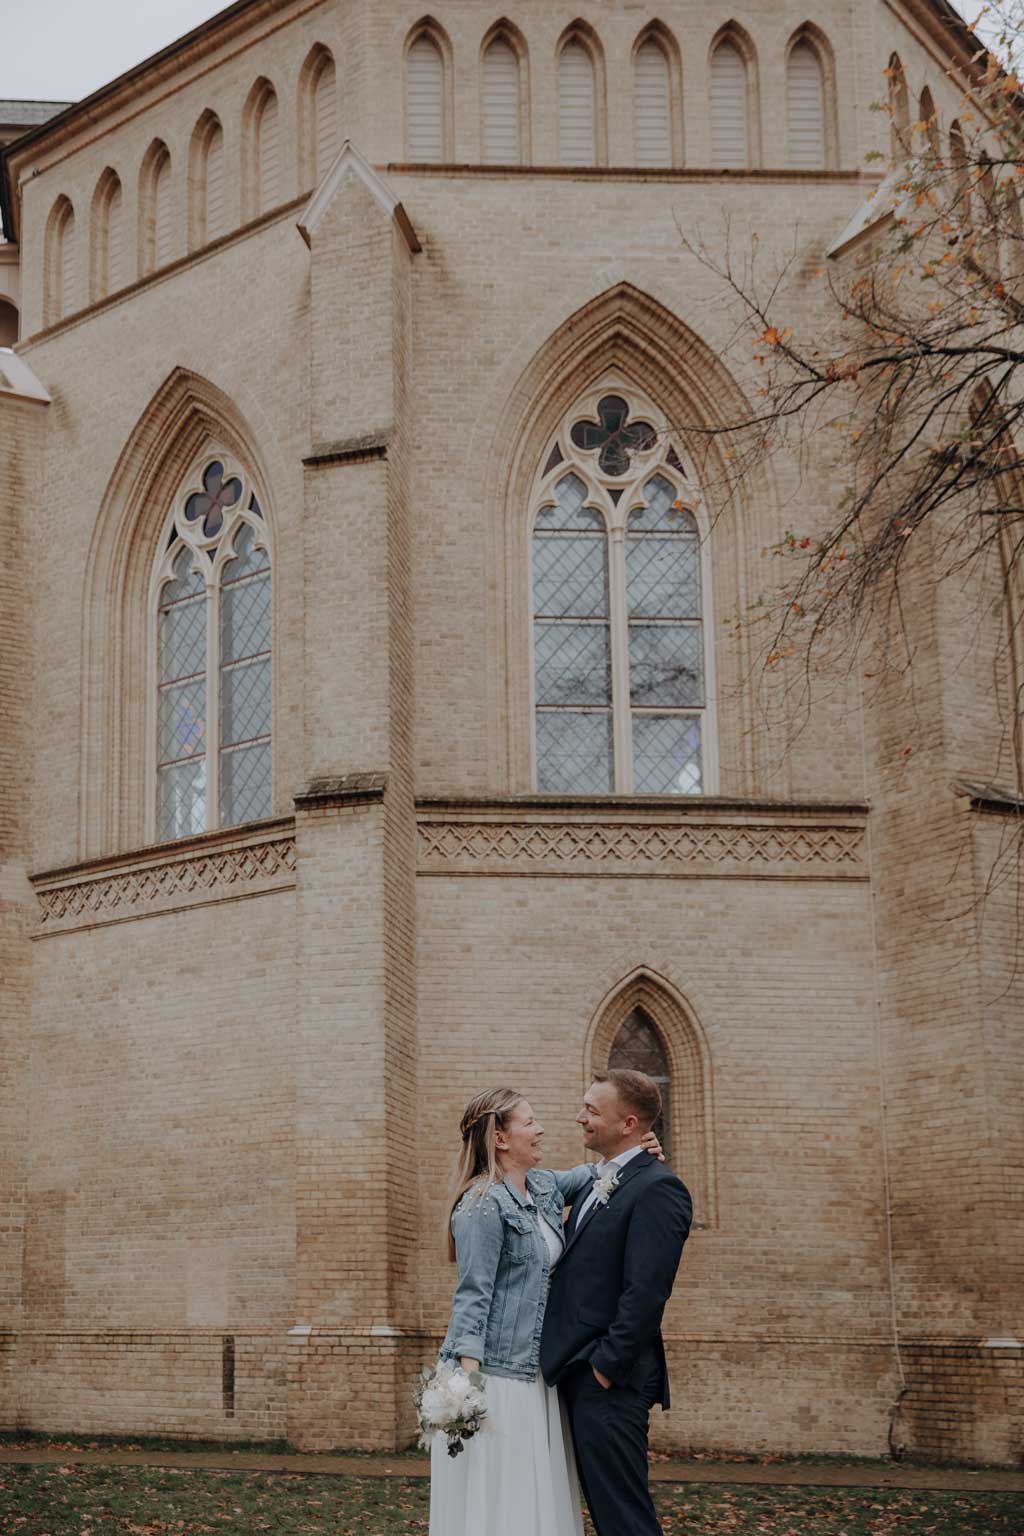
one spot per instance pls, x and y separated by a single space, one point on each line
424 101
730 112
156 213
268 154
652 104
109 253
899 108
577 105
620 677
212 712
207 213
61 281
637 1047
961 172
928 123
805 104
8 324
501 110
318 116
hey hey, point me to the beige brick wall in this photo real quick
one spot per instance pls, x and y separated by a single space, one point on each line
230 1115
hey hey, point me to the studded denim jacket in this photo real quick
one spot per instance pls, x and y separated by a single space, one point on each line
504 1270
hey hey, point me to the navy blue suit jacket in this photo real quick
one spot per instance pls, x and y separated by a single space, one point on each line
609 1290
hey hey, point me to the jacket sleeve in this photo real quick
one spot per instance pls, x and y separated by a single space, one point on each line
571 1180
477 1229
658 1228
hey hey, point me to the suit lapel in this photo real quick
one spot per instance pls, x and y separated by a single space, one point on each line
632 1168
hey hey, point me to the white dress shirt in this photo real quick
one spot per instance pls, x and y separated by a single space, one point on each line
603 1171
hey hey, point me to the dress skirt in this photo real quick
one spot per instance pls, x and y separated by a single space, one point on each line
517 1476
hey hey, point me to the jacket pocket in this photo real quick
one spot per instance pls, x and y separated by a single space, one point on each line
595 1319
519 1235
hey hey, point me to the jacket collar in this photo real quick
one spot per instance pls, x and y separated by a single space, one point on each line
630 1171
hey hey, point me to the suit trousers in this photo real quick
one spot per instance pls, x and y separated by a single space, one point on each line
609 1432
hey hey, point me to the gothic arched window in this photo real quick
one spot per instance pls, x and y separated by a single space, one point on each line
637 1047
211 731
620 659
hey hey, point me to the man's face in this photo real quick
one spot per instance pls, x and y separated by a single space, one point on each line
602 1119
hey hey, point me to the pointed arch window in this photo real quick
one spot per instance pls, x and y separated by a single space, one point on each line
212 702
899 107
637 1047
207 220
577 105
620 663
268 154
61 289
108 239
805 102
501 104
730 114
325 117
424 100
652 104
928 122
155 210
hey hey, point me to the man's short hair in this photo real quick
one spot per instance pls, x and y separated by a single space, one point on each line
638 1094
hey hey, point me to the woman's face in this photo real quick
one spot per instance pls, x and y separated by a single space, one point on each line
519 1143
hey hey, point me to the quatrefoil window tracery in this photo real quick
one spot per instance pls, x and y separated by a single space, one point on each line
216 496
613 436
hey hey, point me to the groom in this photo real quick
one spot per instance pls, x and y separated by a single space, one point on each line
602 1330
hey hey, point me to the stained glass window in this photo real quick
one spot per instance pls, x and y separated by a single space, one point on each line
213 716
620 665
637 1048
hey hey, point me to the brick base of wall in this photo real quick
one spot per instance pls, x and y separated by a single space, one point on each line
336 1391
148 1384
964 1402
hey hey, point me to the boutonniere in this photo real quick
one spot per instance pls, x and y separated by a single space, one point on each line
606 1187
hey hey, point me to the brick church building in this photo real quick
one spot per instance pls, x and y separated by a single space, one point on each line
377 729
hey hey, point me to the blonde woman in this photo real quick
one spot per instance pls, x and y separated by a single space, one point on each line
518 1476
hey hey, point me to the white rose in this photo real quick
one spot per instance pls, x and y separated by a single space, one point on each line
459 1387
433 1406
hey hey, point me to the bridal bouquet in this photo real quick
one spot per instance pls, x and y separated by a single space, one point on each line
449 1399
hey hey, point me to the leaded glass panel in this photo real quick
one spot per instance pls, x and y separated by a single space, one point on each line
663 577
637 1048
667 754
245 784
182 728
662 511
666 665
574 752
570 575
573 663
181 798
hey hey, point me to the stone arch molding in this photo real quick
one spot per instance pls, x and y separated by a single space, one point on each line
188 417
627 337
689 1059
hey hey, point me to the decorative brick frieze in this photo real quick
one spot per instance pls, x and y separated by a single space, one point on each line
182 874
529 838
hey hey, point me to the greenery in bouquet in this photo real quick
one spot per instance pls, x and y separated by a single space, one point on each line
449 1399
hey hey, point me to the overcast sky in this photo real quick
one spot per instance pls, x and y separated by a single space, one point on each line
61 50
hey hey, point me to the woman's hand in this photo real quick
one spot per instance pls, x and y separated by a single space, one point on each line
469 1365
652 1145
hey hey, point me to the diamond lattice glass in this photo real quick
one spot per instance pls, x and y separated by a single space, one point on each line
666 664
659 514
663 577
573 663
181 730
569 514
570 575
245 702
245 784
181 799
667 754
574 752
637 1048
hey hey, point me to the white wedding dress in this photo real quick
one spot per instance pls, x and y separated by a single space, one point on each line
517 1476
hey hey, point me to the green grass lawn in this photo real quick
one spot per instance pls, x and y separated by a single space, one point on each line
147 1501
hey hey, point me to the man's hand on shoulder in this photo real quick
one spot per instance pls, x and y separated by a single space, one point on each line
601 1379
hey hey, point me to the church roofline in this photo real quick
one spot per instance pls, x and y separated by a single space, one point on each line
91 107
942 21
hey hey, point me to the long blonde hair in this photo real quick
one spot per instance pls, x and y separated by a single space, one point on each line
477 1166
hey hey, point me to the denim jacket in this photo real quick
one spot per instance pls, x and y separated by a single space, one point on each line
504 1270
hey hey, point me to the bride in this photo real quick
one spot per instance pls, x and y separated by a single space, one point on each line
505 1234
